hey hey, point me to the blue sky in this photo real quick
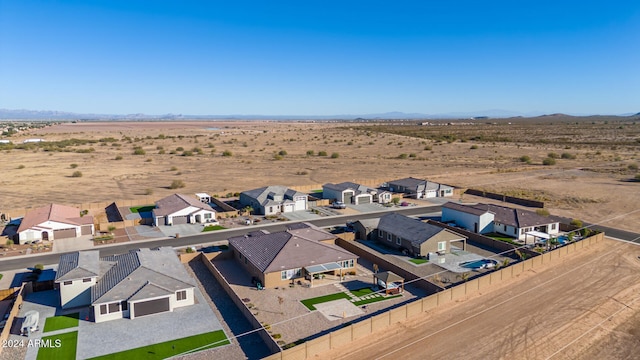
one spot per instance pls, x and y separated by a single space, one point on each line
320 57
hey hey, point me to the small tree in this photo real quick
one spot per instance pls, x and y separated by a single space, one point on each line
177 184
76 174
9 242
395 200
576 223
38 268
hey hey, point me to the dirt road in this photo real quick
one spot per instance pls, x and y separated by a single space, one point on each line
571 310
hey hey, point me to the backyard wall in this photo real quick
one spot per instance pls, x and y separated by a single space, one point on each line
21 292
382 263
264 335
380 322
505 198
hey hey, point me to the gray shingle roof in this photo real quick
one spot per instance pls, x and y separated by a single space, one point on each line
131 272
357 188
272 195
78 266
504 215
284 250
408 182
412 230
176 202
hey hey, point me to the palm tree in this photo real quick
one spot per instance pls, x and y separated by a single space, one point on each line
553 242
464 276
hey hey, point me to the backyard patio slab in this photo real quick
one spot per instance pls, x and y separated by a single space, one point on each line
338 309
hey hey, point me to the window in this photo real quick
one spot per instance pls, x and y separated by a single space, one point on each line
398 240
553 226
86 280
522 231
240 256
347 263
68 282
181 295
124 305
283 275
115 307
207 215
442 246
379 234
103 309
388 236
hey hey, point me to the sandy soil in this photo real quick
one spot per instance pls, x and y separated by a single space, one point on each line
35 177
585 307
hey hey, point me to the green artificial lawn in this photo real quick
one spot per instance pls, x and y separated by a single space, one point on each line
362 292
67 347
321 299
419 261
1 276
143 208
213 228
61 322
375 299
171 348
316 191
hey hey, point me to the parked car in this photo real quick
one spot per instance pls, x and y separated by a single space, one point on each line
339 205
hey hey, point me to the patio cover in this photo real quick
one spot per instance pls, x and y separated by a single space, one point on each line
388 277
316 269
539 234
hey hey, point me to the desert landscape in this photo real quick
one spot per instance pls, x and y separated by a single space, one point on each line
590 172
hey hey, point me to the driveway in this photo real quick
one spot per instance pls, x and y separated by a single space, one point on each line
182 229
301 215
96 339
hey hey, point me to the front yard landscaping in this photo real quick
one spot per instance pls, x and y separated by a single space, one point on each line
213 228
61 347
61 322
171 348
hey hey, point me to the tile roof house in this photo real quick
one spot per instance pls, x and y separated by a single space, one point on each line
416 237
54 222
420 188
138 283
276 259
489 218
352 193
182 209
271 200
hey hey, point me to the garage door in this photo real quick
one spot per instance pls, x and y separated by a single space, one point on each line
85 230
64 233
176 220
160 221
364 200
348 198
151 307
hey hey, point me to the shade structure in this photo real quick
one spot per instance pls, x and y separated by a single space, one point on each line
317 269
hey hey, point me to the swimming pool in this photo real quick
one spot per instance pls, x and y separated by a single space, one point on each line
479 264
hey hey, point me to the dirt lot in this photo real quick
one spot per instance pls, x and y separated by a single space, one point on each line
585 307
593 186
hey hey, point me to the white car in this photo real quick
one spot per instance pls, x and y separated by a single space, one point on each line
338 205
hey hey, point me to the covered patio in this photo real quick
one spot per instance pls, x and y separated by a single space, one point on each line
387 279
536 235
321 270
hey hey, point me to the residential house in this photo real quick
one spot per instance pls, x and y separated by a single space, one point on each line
417 238
182 209
489 218
138 283
53 222
271 200
278 259
420 188
365 229
348 193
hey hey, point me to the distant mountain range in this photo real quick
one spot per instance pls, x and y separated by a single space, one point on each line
21 114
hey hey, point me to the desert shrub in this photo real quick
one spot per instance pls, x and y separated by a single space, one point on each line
335 155
637 177
525 159
187 153
310 152
322 153
473 147
73 166
21 166
138 151
9 242
76 174
566 155
303 172
148 191
173 168
161 152
277 157
403 156
179 148
412 155
119 157
428 148
633 167
177 184
552 155
282 152
542 212
39 267
549 161
189 250
111 228
576 223
227 153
